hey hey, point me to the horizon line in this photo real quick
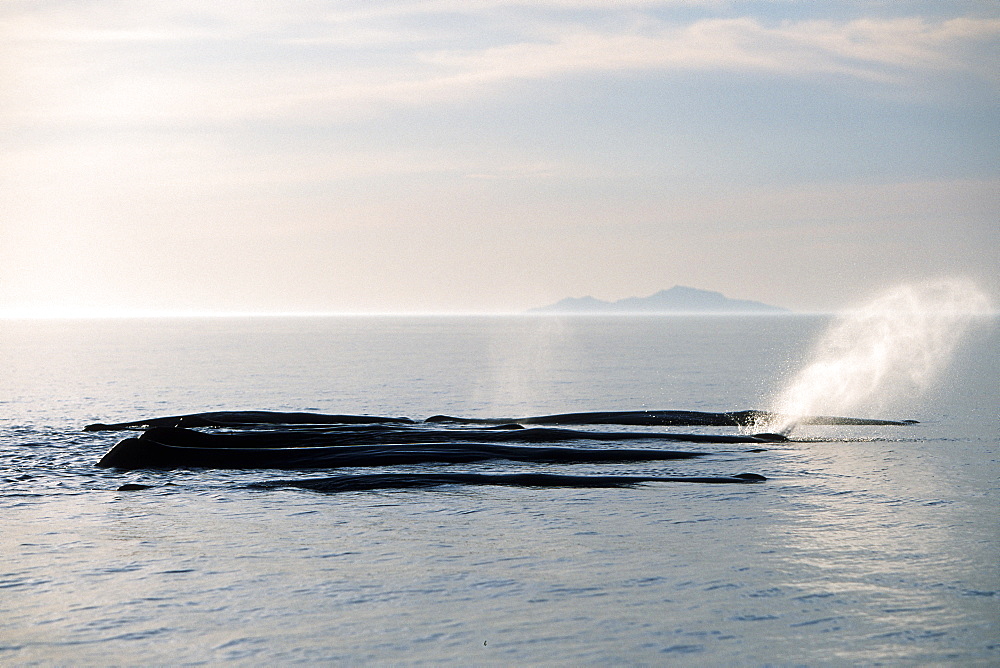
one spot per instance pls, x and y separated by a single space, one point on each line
19 314
106 314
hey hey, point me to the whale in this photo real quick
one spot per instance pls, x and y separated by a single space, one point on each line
367 482
354 483
154 449
375 435
672 418
676 418
245 419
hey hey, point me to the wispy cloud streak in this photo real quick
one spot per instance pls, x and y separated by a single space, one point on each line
231 64
867 49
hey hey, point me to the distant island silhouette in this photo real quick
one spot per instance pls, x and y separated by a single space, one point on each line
678 299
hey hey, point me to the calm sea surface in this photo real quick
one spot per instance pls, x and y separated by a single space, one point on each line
866 545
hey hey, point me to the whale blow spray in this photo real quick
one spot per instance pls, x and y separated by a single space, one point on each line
891 347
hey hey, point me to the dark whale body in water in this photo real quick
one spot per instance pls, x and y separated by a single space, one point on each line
376 435
154 449
245 419
353 483
638 418
251 419
275 440
366 482
668 418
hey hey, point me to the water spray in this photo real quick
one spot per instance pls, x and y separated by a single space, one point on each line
893 346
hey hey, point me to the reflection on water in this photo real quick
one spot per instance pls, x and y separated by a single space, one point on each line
890 529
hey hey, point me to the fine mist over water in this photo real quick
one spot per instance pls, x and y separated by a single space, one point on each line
893 346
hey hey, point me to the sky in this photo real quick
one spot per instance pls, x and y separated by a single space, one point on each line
491 156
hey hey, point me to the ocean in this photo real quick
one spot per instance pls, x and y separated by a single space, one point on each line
866 545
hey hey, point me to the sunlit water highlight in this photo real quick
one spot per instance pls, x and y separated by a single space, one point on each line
890 348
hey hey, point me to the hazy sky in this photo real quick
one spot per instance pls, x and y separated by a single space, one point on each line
476 155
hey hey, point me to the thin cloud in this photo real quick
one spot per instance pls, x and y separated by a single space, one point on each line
306 63
900 52
867 49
